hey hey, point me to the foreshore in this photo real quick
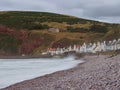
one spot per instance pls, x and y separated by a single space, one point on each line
97 73
25 57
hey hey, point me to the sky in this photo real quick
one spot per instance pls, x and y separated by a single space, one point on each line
101 10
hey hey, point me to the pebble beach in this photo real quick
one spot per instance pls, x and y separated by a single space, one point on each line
96 73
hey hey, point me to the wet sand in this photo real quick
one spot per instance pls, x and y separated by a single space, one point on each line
97 73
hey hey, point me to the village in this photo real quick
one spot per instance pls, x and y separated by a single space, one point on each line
95 47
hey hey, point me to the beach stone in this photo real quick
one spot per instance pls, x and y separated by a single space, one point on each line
97 73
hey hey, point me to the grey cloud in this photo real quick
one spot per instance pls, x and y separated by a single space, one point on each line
103 10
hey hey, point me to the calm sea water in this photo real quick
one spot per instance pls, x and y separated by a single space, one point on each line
16 70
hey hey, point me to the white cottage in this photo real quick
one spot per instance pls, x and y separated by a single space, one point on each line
61 51
78 48
97 48
81 49
58 51
93 47
74 47
84 48
109 44
52 51
118 44
103 45
89 48
70 48
113 45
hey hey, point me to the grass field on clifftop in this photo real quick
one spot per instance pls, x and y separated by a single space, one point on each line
24 32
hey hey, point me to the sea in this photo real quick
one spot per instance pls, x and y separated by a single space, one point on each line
17 70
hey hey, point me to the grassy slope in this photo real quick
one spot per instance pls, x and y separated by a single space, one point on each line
73 30
24 20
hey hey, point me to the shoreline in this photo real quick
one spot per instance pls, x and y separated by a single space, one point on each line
24 57
32 68
77 55
97 73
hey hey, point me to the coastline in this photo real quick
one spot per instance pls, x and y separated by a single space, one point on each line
17 70
35 56
24 57
97 73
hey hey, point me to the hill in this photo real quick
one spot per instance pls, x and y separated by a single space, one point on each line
28 32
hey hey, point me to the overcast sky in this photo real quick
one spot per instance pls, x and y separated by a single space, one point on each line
102 10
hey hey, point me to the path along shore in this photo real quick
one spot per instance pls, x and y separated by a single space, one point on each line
97 73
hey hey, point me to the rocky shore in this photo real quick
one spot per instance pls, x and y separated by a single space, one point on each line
97 73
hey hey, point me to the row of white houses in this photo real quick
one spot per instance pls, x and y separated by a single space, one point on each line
87 48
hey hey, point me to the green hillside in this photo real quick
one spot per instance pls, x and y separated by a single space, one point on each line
28 32
28 20
42 20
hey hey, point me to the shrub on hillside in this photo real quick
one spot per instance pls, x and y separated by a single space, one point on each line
80 30
98 29
113 34
38 26
64 42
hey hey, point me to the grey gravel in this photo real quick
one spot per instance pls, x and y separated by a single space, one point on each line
97 73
